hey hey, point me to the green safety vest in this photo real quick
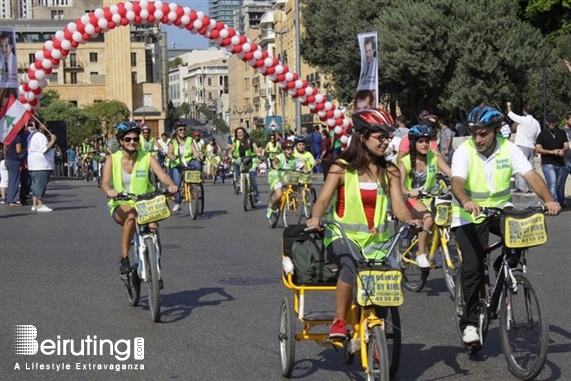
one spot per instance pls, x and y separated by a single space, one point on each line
431 170
187 152
85 148
236 152
142 142
355 223
273 151
306 157
140 182
476 185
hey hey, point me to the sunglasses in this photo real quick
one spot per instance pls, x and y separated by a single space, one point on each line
382 138
181 129
129 140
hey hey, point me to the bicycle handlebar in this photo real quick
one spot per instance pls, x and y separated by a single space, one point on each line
487 211
125 196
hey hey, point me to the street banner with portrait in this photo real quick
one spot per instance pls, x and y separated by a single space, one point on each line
369 77
8 65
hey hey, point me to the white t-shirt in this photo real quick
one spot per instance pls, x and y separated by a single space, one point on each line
461 165
37 159
527 130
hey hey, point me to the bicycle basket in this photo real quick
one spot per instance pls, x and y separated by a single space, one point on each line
523 229
305 178
193 177
378 286
291 177
152 210
443 214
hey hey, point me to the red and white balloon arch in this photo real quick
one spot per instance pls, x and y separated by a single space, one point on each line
102 20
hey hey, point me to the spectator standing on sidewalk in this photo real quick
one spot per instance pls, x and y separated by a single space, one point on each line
552 144
401 131
445 141
527 131
71 167
326 152
316 147
40 165
3 176
567 157
13 160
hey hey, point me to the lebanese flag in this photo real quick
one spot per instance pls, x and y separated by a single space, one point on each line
14 117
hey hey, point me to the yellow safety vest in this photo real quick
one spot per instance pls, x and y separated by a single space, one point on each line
306 157
431 170
140 182
476 185
187 152
355 223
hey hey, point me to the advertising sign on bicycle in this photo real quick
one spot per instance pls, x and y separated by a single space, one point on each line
152 210
377 287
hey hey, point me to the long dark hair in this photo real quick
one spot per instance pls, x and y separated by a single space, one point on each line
358 158
245 141
413 153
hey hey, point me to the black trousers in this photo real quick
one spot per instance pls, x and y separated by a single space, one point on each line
473 240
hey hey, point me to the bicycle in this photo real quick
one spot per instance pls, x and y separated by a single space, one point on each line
373 315
102 155
514 299
245 186
414 278
289 206
193 191
307 191
145 250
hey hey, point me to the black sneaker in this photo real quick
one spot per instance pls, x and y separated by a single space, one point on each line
125 267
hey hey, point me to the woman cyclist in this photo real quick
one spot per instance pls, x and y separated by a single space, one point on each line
362 182
242 146
213 156
284 161
272 149
418 172
118 177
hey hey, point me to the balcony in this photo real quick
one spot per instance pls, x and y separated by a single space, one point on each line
73 66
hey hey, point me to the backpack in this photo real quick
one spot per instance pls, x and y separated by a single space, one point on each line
307 252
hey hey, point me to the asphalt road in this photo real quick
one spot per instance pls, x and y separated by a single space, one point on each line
220 304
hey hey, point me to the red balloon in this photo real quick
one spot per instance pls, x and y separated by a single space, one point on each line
23 99
138 19
136 7
151 18
192 16
122 10
32 74
237 49
310 98
290 85
320 106
206 20
270 70
107 14
300 92
80 26
305 84
98 29
67 34
231 32
280 78
214 34
243 40
166 8
57 43
323 119
248 56
54 61
47 53
111 25
151 8
176 22
75 44
225 42
64 53
329 114
124 22
339 121
48 71
93 20
203 30
86 36
179 11
219 26
254 47
25 86
165 18
37 91
260 63
295 77
38 65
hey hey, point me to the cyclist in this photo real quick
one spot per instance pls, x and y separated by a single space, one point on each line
181 151
242 146
362 182
481 170
300 153
213 156
272 149
147 142
429 120
287 161
418 173
127 170
200 147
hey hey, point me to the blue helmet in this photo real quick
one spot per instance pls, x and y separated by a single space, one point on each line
299 139
124 127
418 131
485 116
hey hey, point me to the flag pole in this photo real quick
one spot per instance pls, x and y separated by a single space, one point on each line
42 125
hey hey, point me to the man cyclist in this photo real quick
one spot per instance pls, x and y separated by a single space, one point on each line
481 170
181 151
147 143
243 146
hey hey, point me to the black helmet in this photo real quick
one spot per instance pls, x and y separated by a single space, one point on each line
124 127
287 144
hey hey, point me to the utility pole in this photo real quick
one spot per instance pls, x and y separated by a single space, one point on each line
297 67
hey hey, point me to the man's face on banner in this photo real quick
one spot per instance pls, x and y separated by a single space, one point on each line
369 51
5 46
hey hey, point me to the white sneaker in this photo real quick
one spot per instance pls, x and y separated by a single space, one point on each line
34 208
176 208
422 261
43 209
470 335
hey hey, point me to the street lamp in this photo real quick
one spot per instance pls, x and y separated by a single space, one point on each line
239 112
249 111
297 66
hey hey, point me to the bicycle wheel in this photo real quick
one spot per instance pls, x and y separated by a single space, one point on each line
414 278
393 333
292 210
245 195
313 195
153 281
200 189
524 330
133 283
275 214
449 269
236 184
193 201
307 199
287 337
459 304
377 356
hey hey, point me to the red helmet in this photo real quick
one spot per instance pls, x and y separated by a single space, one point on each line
196 134
372 119
287 144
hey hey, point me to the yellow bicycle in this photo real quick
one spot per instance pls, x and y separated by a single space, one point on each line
307 193
193 191
290 206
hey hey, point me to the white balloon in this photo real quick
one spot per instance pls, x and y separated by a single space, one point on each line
197 24
262 69
99 13
103 23
43 82
65 45
40 95
172 16
56 53
337 113
338 130
268 62
172 7
200 15
56 66
85 19
312 106
224 34
321 113
328 105
144 4
240 55
292 92
40 74
28 106
298 84
308 90
46 63
21 88
128 5
159 4
282 84
72 27
116 18
345 122
279 69
289 76
89 29
184 20
251 62
302 98
272 77
258 54
235 40
130 15
331 123
39 55
158 14
344 139
114 9
59 35
246 47
29 96
77 36
49 45
318 98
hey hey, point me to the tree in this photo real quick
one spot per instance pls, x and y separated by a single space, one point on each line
78 122
216 121
553 17
106 115
175 62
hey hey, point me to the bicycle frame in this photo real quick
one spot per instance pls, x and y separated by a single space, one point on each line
142 232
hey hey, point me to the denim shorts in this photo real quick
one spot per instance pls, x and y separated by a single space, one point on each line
39 182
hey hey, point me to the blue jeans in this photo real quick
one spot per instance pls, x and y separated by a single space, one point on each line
555 178
196 164
13 167
176 176
252 173
40 182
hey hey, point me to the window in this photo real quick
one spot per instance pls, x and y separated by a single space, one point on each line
57 14
73 103
73 78
209 81
73 59
92 57
134 76
31 58
54 78
133 59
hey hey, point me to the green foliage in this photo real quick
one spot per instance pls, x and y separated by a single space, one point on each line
553 17
258 136
79 122
175 62
106 115
216 121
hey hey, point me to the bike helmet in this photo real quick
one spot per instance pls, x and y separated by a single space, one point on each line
196 134
485 116
418 131
373 120
429 120
288 144
212 138
124 127
145 128
299 139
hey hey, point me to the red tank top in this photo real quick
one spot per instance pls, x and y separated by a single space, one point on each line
369 198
